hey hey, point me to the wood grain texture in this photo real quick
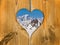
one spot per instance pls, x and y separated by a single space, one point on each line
46 34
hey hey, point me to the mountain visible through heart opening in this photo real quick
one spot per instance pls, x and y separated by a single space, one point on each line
30 21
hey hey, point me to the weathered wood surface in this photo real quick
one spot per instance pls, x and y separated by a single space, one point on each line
47 34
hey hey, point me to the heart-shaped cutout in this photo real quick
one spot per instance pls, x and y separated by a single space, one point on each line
30 21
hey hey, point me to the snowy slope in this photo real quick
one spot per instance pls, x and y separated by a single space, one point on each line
25 21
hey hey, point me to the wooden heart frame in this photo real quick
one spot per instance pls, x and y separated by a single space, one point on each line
49 31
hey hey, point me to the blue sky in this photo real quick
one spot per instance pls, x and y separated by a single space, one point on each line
35 13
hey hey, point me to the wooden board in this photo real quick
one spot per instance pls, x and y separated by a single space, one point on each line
46 34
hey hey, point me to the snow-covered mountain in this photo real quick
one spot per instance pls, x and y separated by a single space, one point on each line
24 17
25 21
